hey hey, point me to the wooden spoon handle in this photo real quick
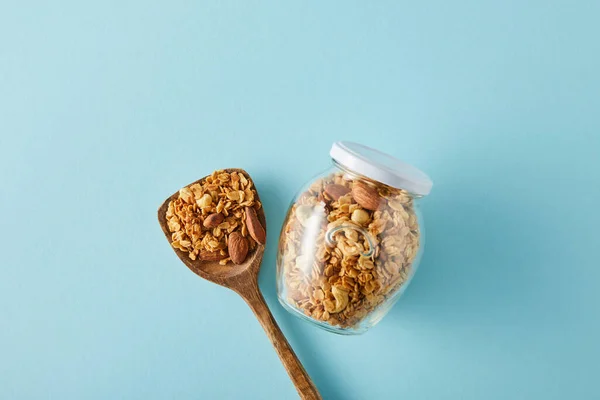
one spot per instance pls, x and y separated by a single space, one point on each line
304 385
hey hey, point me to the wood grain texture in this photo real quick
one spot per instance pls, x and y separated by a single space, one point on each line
243 279
250 292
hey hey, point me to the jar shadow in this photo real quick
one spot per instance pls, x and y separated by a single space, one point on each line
477 265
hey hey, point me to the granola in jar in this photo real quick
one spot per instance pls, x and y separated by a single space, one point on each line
348 246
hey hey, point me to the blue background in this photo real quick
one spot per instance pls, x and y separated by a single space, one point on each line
106 108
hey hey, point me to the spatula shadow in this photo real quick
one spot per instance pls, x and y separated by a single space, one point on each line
276 208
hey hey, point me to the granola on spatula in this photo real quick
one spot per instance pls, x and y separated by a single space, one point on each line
215 218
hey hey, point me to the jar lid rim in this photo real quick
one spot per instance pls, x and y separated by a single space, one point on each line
381 167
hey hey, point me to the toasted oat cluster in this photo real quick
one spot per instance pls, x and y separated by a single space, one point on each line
347 246
215 212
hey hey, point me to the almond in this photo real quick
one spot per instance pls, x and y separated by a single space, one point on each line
366 196
336 191
255 228
206 255
238 247
213 220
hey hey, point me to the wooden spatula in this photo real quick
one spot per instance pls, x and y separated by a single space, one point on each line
243 279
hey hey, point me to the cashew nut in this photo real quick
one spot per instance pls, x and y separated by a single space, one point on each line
349 250
204 201
341 300
303 213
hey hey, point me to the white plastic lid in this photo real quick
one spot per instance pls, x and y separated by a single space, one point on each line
381 167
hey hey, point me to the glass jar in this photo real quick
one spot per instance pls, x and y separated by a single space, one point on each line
352 240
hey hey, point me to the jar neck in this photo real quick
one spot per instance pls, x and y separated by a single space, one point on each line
355 174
